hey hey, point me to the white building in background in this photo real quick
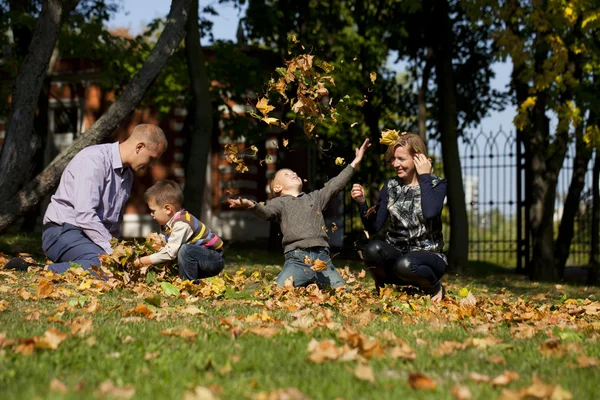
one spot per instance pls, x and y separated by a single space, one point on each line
471 188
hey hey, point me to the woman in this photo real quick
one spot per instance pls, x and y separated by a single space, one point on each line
412 251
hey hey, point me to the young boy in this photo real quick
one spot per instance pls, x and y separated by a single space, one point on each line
302 224
198 250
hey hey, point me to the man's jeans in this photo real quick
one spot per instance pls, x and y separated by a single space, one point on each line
64 244
197 262
302 273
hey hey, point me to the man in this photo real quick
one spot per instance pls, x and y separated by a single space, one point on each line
85 212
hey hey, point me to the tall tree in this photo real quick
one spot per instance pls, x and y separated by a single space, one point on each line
15 159
13 207
544 40
201 123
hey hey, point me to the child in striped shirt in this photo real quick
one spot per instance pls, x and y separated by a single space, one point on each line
198 250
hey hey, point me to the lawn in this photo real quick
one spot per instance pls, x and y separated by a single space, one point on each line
237 336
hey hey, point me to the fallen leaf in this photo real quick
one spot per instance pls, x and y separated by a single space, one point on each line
417 380
282 394
364 372
151 356
81 326
183 333
505 378
319 265
322 351
108 389
24 294
584 361
461 392
199 393
477 377
51 340
57 386
44 289
3 305
265 331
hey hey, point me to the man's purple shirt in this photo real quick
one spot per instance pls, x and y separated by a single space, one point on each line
92 193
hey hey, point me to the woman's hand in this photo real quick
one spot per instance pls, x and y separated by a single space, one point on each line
358 193
422 164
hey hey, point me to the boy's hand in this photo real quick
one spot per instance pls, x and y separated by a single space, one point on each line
240 203
358 193
360 152
422 164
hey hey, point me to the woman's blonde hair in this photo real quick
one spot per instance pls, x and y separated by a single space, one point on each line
413 142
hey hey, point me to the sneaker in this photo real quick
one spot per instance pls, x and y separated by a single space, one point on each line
18 264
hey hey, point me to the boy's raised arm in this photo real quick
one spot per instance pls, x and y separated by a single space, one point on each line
337 183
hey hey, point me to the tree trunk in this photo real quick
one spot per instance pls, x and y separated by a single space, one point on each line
19 147
595 239
201 122
448 123
566 230
421 95
35 190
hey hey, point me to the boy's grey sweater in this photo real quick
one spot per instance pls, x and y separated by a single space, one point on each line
301 217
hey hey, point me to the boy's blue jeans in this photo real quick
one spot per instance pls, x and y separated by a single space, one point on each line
303 275
197 262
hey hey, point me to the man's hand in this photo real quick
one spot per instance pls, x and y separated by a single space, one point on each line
358 193
240 203
422 164
360 152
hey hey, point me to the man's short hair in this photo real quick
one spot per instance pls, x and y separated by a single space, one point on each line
150 133
165 192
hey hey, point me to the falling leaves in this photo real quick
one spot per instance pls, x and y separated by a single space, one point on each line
373 77
340 161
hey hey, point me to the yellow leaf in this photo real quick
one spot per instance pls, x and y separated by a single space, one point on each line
271 121
319 265
263 106
373 76
340 161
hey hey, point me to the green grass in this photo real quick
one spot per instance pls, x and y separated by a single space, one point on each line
243 366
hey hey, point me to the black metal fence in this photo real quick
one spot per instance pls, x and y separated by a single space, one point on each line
495 205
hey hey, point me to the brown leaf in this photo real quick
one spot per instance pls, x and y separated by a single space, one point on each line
57 386
34 316
199 393
477 377
192 310
151 356
364 372
417 380
322 351
93 307
319 265
461 392
448 347
44 288
140 309
108 389
282 394
3 305
183 333
505 378
552 347
483 343
584 361
51 340
24 294
81 326
263 106
266 331
370 211
469 301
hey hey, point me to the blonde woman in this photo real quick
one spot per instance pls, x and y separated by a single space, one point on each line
412 251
